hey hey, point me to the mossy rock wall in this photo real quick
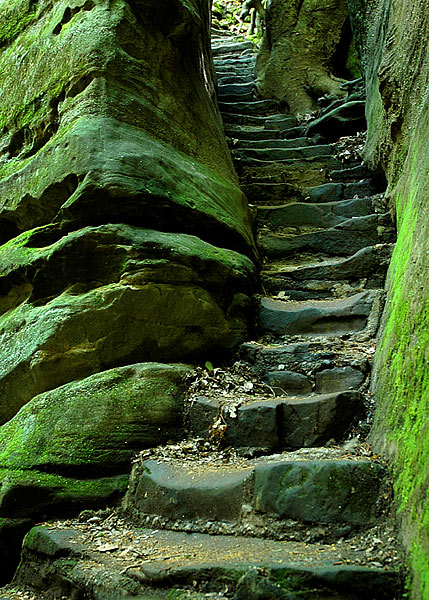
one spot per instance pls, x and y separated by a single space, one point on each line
108 117
393 43
124 239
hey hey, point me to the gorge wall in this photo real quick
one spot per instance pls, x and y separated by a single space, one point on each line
392 36
124 238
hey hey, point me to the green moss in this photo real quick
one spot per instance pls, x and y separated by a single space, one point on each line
23 493
402 382
15 16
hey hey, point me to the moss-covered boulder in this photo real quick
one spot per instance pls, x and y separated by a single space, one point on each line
111 295
94 426
37 494
113 115
71 448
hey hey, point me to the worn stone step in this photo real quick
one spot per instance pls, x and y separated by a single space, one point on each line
332 192
226 79
234 92
232 57
271 194
309 491
249 132
281 121
232 118
315 318
337 276
264 144
328 214
306 358
355 173
255 107
237 73
302 419
276 122
231 48
344 239
63 560
247 154
259 132
301 164
301 173
326 380
224 34
230 64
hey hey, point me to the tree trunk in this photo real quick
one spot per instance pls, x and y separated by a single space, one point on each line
295 61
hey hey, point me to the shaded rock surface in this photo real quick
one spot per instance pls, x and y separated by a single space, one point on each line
309 514
62 559
392 39
168 297
123 239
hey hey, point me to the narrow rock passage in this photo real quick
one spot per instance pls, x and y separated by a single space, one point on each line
275 493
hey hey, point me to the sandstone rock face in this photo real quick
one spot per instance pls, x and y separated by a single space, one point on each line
111 295
113 123
123 238
393 45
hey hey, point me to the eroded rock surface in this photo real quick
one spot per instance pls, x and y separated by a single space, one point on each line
124 239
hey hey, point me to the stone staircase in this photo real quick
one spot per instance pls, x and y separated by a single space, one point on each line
274 493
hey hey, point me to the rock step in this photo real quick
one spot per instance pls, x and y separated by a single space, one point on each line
336 491
282 123
273 191
321 363
316 318
235 81
332 192
245 133
311 277
237 73
300 173
234 92
62 561
229 48
225 34
320 161
351 174
300 420
240 63
232 58
271 194
249 106
328 214
265 144
276 122
259 132
344 239
248 155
